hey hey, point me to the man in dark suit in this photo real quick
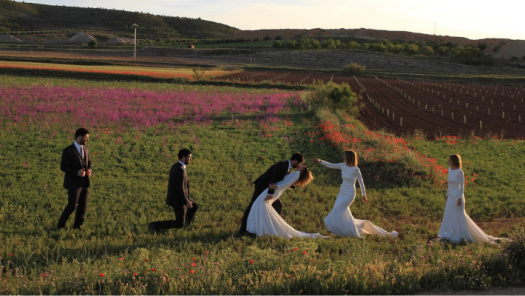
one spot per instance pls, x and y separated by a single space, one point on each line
76 164
274 174
178 196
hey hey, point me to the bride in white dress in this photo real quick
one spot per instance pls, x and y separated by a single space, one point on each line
264 220
340 220
457 227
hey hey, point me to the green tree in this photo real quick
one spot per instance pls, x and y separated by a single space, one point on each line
412 48
277 44
315 43
354 45
336 97
278 37
292 44
427 50
398 48
353 69
443 50
379 47
92 44
267 38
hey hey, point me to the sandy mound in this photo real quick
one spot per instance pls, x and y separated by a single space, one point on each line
81 38
120 40
9 38
514 48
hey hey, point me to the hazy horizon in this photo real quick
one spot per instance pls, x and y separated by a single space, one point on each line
468 19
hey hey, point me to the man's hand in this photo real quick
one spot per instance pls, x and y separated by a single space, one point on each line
88 173
189 205
81 173
268 197
273 186
316 160
459 202
364 199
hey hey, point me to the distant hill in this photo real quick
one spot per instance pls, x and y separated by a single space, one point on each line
28 18
507 47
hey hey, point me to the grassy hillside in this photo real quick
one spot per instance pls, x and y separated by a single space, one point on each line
48 19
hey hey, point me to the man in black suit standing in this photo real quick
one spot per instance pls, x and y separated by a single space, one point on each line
178 196
76 164
274 174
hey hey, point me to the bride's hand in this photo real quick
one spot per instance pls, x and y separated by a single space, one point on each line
459 202
364 199
273 186
316 160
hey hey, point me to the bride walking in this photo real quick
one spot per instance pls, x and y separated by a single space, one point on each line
264 220
340 220
457 226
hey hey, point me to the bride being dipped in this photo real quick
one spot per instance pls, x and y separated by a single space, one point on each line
264 220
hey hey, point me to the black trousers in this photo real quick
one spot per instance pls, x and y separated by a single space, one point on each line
277 205
182 218
77 199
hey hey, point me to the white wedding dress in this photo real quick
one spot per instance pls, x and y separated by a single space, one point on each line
340 220
457 225
264 220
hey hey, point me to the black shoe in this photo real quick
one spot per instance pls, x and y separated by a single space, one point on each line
151 227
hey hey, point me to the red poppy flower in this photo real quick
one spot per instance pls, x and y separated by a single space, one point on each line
102 275
191 271
194 264
12 254
135 274
121 259
146 260
304 252
44 275
194 259
251 261
296 249
153 269
207 252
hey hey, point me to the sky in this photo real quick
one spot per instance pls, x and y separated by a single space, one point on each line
462 18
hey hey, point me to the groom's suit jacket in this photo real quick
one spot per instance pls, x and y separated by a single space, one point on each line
71 163
178 188
274 174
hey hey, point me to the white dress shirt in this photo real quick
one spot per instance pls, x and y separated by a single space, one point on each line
79 148
183 164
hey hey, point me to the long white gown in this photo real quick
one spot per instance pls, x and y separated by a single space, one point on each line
264 220
457 225
340 220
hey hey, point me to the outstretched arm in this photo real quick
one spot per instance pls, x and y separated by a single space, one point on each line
337 166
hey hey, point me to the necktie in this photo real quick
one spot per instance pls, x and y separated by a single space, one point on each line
82 151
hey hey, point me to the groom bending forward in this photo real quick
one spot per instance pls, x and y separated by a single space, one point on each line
274 174
178 196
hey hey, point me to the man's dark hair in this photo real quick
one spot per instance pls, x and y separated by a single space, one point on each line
297 156
183 152
81 132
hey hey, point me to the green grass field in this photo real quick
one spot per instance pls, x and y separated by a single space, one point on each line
116 254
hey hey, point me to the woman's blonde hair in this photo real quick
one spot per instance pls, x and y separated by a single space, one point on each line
304 178
351 157
456 160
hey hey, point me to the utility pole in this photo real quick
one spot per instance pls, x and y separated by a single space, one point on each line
135 26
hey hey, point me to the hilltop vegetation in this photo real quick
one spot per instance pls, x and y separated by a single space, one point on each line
27 18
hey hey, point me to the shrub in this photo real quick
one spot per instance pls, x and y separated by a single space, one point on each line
255 39
398 48
443 50
482 46
291 44
412 48
315 43
427 50
472 56
198 73
379 47
336 97
92 43
278 38
353 69
353 45
267 38
277 44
